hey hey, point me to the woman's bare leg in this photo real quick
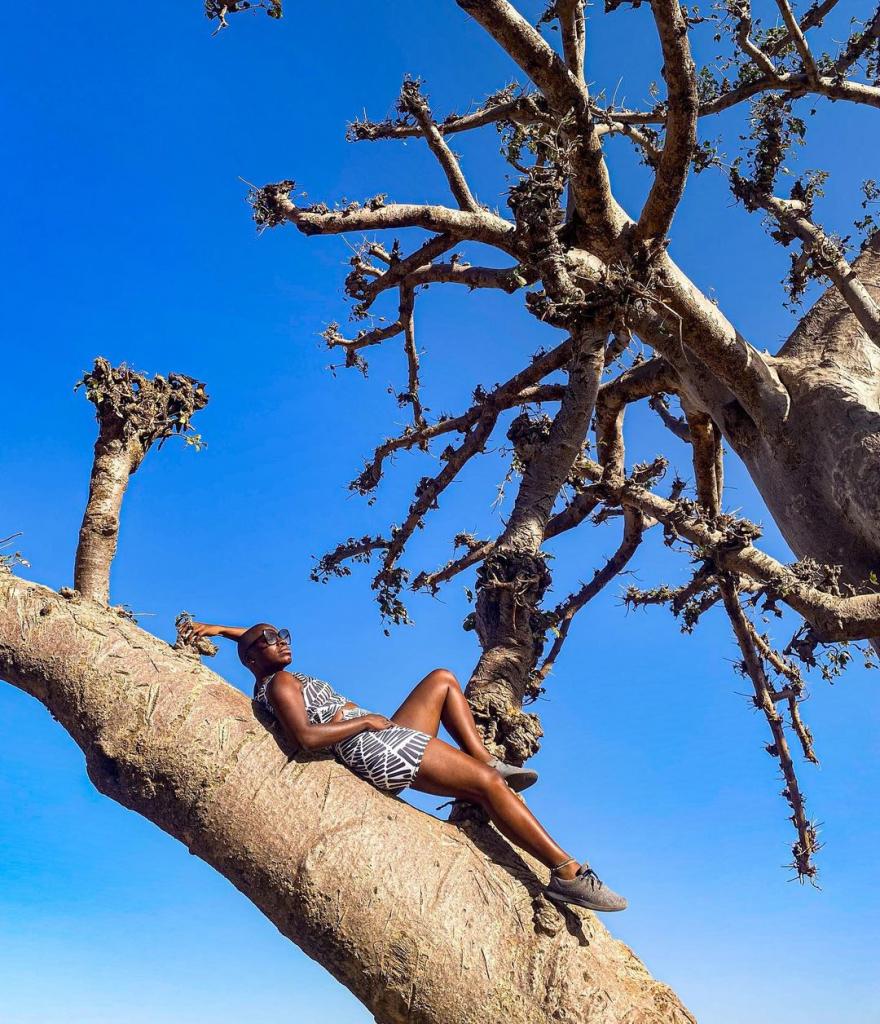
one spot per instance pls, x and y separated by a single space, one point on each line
438 698
446 771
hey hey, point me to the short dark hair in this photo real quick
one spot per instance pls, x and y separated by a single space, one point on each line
249 637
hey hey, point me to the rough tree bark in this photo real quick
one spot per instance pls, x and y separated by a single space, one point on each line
513 578
424 921
821 476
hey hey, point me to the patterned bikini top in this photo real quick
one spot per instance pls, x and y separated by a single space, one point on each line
321 700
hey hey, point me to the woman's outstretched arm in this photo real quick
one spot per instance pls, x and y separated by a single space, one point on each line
193 630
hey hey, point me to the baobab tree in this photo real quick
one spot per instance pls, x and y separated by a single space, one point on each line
803 420
168 738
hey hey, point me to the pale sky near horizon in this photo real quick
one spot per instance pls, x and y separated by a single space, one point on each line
128 129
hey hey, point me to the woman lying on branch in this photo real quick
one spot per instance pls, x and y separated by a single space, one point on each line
402 751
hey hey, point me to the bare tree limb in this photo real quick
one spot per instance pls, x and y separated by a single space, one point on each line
503 396
833 617
806 844
574 31
792 693
707 459
813 18
412 101
793 216
859 43
499 107
743 10
562 616
797 37
272 206
647 378
676 424
477 552
667 187
365 284
407 306
574 513
590 184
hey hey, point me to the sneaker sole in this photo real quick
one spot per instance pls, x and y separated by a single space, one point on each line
559 898
521 781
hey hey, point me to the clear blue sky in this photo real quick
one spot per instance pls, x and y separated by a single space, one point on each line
126 128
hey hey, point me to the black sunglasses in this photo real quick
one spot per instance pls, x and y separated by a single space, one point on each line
271 636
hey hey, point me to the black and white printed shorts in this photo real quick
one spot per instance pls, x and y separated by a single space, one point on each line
388 759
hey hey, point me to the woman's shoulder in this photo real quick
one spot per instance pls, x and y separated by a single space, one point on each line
307 680
286 677
283 678
303 682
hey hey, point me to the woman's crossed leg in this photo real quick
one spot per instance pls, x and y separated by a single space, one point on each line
438 699
465 774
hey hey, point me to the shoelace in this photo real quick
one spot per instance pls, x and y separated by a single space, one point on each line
589 875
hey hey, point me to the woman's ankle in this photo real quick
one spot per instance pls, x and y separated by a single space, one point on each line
566 870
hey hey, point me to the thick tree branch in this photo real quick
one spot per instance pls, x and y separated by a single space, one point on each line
567 95
574 34
833 617
133 413
797 37
707 459
273 206
420 941
543 477
651 377
692 321
667 187
793 216
676 424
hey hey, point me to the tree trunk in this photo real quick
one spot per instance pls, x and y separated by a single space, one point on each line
513 579
112 467
423 921
821 478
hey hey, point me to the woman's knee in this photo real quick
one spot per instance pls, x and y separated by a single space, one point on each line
444 677
488 785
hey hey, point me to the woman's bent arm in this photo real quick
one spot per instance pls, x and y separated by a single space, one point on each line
319 736
285 695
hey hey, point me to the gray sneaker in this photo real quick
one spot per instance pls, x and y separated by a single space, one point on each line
517 778
586 889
